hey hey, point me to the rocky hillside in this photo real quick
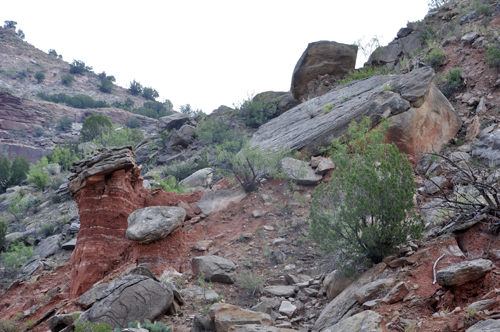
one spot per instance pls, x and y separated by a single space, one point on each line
160 232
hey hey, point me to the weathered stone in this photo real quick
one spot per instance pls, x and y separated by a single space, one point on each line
423 164
459 156
325 165
173 121
258 213
470 37
461 273
487 149
397 293
490 325
201 323
311 292
335 283
258 328
199 292
300 172
265 307
70 245
144 270
153 223
435 184
202 245
48 246
364 321
201 178
473 129
278 256
483 305
403 32
58 322
214 268
220 199
183 137
89 297
372 290
320 58
287 309
227 315
423 127
345 301
285 291
118 305
32 265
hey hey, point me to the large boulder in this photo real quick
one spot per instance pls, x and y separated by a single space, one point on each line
285 291
153 223
364 321
201 178
422 119
372 290
487 149
183 137
220 199
48 246
490 325
173 121
90 297
461 273
214 268
227 315
319 59
131 298
335 283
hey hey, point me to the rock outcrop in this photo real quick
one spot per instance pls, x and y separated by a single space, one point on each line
226 315
364 321
321 64
153 223
214 268
421 118
461 273
108 188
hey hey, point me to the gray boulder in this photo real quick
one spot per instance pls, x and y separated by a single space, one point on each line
285 291
201 323
183 137
131 298
487 149
87 299
48 246
319 59
461 273
60 322
214 268
490 325
199 292
144 270
364 321
226 315
434 184
483 305
422 119
372 290
300 172
154 222
257 328
70 245
173 121
200 178
220 199
335 283
28 268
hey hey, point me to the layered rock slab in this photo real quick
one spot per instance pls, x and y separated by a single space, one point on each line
461 273
421 118
153 223
214 268
226 315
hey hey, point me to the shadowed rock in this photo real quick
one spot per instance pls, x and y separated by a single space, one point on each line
153 223
461 273
214 268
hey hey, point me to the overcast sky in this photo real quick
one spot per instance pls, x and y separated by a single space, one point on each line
206 53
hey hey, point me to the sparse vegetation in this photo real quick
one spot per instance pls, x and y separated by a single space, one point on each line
87 326
493 55
181 170
67 79
12 174
64 124
169 184
328 108
38 176
133 123
39 76
122 137
257 110
78 101
135 88
150 94
16 255
151 327
155 109
435 58
106 86
367 207
94 127
451 82
3 232
251 283
64 156
78 67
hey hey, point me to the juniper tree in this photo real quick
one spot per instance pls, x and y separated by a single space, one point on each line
367 207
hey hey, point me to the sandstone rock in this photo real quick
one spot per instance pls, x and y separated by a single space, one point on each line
335 283
483 305
214 268
30 267
434 184
473 129
325 165
153 223
278 256
320 58
423 164
200 178
423 127
287 309
173 121
490 325
315 161
202 245
258 213
461 273
372 290
300 172
70 245
340 306
364 321
285 291
486 149
397 293
470 37
227 315
89 297
183 137
220 199
118 305
265 306
48 246
199 292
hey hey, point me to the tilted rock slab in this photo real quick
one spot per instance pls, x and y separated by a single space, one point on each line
170 122
131 298
490 325
339 306
154 222
335 283
227 315
300 172
257 328
214 268
364 321
461 273
422 119
372 290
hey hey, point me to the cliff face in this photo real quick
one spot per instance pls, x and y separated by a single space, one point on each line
107 189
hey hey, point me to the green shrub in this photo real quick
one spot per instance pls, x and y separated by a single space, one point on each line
39 132
64 156
126 105
154 109
214 130
367 207
38 176
135 88
133 123
86 326
7 325
426 34
12 174
21 34
39 76
10 24
359 74
435 58
451 82
67 79
106 86
3 232
182 170
251 283
16 255
78 67
150 94
4 173
64 124
78 101
125 136
186 109
53 53
94 127
483 10
170 184
493 55
257 111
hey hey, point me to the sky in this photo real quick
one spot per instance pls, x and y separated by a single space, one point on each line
205 53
